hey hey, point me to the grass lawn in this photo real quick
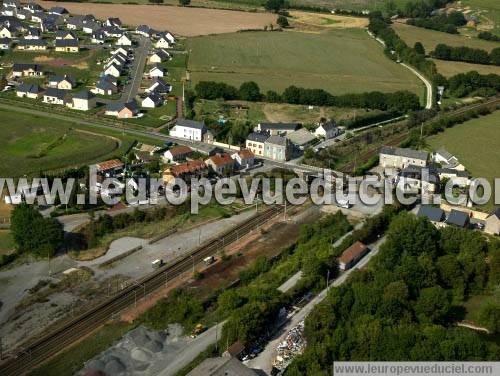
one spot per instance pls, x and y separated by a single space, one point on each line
451 68
32 144
475 143
6 242
488 12
82 65
276 60
430 38
256 112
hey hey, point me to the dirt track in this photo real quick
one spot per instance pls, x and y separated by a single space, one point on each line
178 20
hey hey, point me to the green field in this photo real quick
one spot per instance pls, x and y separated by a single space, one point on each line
451 68
475 143
340 61
488 12
6 242
430 38
31 144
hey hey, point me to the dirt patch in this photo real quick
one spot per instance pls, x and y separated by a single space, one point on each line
178 20
316 22
59 62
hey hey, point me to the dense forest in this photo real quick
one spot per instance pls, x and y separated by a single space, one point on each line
406 304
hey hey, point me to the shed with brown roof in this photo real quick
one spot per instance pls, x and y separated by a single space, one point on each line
352 255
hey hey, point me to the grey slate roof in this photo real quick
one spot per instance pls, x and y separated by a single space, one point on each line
408 153
29 88
6 41
21 67
132 106
223 366
84 94
156 98
66 43
32 42
277 140
58 10
57 93
64 33
62 78
457 218
258 136
161 86
496 213
431 213
190 124
280 126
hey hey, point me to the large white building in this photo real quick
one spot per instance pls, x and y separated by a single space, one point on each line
188 129
391 157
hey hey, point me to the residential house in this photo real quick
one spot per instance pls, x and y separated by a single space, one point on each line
352 255
29 91
57 96
98 37
5 43
84 100
152 100
77 22
459 177
162 42
119 50
255 142
62 82
113 70
20 14
208 137
33 7
392 157
188 129
32 45
7 32
124 40
110 168
185 171
48 26
447 160
419 179
435 215
156 71
27 70
33 33
112 31
105 86
167 36
244 158
144 30
65 34
277 128
113 22
327 130
222 366
122 110
91 27
67 45
159 86
59 11
8 11
222 164
159 56
492 223
177 153
37 17
12 3
458 218
277 148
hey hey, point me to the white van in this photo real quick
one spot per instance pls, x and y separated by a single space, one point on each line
344 204
157 263
209 260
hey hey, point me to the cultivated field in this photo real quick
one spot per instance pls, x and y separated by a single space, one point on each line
450 68
32 144
340 61
178 20
430 38
475 143
488 12
319 22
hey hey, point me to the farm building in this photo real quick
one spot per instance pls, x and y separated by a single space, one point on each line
277 128
352 255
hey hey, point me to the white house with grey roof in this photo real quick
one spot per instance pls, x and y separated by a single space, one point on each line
124 40
29 91
392 157
255 142
152 100
159 86
188 129
57 96
84 100
327 130
277 148
447 160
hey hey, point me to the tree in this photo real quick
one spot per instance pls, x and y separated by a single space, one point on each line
419 48
184 3
33 233
489 316
433 305
274 5
249 91
282 21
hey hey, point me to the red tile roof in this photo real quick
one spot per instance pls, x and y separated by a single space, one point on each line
220 160
245 154
353 252
180 150
108 165
188 167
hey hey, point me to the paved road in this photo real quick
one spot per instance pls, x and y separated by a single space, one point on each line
264 360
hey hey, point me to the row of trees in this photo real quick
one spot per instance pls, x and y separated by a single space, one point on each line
467 54
446 23
404 307
417 8
400 101
486 35
473 83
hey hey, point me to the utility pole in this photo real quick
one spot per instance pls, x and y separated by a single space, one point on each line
192 258
327 277
216 335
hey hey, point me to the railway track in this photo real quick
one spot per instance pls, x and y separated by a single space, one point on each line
38 351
